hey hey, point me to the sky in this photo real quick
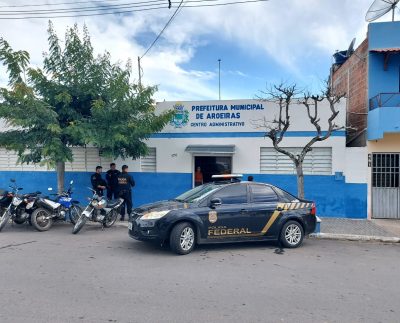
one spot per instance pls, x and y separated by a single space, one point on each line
258 43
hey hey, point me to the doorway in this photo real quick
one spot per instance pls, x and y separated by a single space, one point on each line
213 165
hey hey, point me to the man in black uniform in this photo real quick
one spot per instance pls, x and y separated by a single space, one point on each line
112 182
125 184
98 183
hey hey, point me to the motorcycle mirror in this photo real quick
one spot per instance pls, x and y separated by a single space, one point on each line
20 188
50 189
12 180
71 182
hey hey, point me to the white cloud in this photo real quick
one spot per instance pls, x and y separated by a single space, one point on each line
288 32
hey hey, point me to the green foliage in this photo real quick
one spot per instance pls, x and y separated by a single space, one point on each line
74 100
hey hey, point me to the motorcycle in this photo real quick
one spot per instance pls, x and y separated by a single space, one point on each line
99 210
57 209
15 206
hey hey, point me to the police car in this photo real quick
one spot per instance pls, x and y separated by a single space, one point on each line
226 210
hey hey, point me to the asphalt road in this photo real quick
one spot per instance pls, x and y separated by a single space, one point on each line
104 276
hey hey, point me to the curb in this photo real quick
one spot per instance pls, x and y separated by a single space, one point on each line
354 237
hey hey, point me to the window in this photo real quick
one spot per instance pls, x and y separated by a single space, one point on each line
149 163
232 194
318 161
85 160
285 195
386 170
262 194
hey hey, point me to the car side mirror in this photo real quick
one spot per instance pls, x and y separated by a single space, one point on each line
215 202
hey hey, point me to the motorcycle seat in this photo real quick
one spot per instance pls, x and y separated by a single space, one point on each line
113 203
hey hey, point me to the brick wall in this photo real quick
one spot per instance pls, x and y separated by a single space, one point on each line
351 78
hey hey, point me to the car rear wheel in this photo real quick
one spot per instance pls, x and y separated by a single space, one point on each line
182 238
292 234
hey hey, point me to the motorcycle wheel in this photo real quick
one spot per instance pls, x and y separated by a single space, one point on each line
74 213
5 216
79 224
110 219
41 219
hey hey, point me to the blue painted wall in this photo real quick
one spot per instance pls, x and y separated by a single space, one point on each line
383 34
383 120
334 198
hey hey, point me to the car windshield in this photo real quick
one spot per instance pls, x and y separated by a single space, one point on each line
197 193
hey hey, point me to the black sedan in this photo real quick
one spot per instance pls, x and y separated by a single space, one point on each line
225 211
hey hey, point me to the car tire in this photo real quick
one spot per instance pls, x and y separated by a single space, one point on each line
182 238
292 234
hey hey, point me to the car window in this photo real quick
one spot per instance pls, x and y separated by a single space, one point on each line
197 193
263 193
232 194
285 195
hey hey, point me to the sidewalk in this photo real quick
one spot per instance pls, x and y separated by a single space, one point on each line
366 230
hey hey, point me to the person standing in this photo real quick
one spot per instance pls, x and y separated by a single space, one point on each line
125 184
198 177
112 182
98 183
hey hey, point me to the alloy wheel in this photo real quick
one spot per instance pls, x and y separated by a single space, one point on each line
187 238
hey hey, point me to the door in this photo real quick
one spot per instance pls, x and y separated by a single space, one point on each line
211 165
385 186
264 201
231 220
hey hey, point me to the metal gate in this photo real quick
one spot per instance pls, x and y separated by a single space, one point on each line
385 186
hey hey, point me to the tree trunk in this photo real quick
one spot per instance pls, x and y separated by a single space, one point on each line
60 176
300 181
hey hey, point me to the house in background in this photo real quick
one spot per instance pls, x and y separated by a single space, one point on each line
370 77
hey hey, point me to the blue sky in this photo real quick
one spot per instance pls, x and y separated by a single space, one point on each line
270 42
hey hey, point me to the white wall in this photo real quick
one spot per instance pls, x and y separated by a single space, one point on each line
356 164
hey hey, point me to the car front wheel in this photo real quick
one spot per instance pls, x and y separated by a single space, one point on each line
292 234
182 238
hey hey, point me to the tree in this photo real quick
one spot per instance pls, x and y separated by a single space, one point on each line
287 95
75 100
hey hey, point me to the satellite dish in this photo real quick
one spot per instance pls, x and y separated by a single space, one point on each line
379 8
350 50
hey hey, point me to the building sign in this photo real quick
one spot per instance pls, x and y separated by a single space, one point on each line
239 115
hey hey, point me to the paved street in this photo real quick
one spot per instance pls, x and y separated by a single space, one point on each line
105 276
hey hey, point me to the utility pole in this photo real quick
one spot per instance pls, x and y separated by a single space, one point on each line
219 78
140 72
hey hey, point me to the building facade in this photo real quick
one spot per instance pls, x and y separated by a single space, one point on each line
224 137
377 63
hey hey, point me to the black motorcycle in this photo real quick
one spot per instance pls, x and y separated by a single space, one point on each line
99 210
18 207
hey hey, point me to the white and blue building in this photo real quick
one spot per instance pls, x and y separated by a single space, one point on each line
225 136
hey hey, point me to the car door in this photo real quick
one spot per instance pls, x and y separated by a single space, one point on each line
264 203
231 220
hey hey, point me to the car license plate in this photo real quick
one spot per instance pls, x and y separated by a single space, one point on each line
130 226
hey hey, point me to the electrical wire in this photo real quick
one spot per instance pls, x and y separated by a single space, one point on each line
53 4
165 27
140 9
78 9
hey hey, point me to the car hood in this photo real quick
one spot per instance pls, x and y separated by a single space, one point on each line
162 206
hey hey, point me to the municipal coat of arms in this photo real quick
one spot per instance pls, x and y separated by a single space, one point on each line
181 116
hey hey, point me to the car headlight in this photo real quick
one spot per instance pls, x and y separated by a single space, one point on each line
154 215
